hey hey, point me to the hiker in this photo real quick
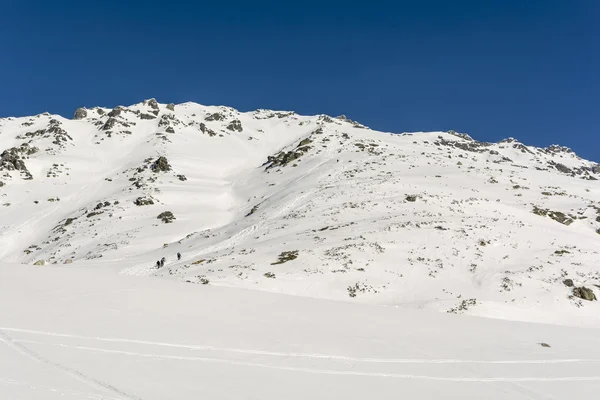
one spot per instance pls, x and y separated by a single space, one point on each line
157 264
178 256
162 262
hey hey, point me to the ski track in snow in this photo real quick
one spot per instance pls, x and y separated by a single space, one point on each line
292 354
333 371
23 350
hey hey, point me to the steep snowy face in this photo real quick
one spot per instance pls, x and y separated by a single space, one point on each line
308 205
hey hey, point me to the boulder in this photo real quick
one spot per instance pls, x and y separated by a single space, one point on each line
40 262
171 107
153 104
80 113
584 293
143 201
568 282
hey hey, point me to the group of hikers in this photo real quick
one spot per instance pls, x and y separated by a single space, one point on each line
161 263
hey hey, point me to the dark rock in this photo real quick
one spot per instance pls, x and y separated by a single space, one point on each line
411 198
152 103
215 117
235 125
584 293
109 124
206 130
181 178
161 165
252 211
171 107
115 112
569 282
170 130
143 201
80 113
147 116
562 168
69 221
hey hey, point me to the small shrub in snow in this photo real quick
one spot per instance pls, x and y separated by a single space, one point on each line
286 256
167 217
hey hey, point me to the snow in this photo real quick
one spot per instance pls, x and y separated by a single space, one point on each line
70 332
341 274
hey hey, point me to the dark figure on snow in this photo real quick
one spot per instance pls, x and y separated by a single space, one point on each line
158 264
178 256
162 262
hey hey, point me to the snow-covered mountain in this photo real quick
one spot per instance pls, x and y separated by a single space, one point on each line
306 205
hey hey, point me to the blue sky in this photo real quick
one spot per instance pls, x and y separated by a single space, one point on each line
493 69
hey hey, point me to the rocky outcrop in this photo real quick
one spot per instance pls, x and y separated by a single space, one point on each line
143 201
584 293
13 159
109 124
467 145
161 165
115 112
171 107
215 117
204 129
283 158
80 113
235 125
152 103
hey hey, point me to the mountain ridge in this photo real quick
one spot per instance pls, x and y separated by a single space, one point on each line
316 206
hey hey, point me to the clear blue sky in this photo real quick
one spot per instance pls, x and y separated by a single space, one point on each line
493 69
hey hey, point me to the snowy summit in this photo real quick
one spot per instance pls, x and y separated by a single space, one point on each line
402 231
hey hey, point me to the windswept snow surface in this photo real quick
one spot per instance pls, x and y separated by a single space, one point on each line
407 230
85 333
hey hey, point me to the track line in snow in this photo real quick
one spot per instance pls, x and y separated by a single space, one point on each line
333 371
60 391
299 355
14 344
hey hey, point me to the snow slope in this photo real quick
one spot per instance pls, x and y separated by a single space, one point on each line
73 332
306 205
